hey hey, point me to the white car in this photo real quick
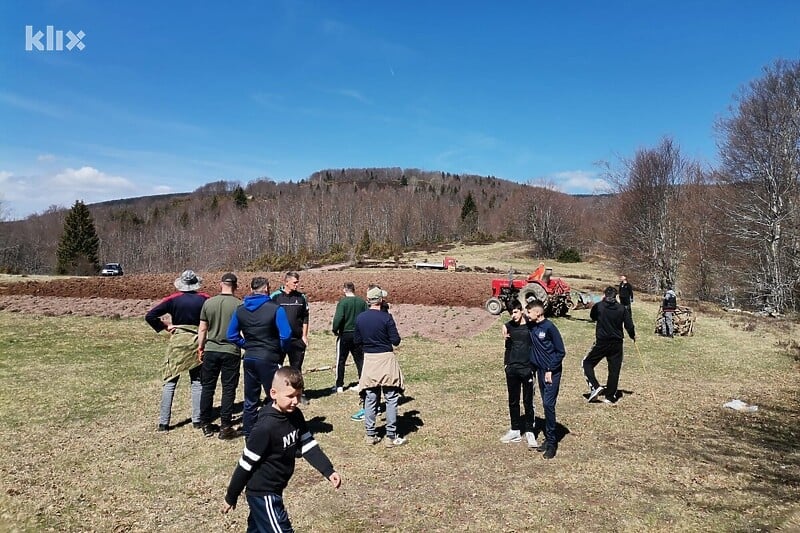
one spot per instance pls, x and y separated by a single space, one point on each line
111 269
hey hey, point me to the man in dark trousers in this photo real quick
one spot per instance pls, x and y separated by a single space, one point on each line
547 354
625 292
344 324
219 357
611 317
259 326
295 305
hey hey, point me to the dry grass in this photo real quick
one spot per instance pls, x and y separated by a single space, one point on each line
79 399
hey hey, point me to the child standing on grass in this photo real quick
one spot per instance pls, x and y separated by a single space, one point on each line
547 355
519 376
279 436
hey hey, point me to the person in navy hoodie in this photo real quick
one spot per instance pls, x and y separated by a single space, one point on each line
547 353
261 328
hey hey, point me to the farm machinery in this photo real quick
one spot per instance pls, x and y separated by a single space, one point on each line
554 293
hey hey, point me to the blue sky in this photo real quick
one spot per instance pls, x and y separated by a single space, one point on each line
167 96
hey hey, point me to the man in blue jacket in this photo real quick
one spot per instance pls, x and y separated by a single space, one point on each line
259 326
547 353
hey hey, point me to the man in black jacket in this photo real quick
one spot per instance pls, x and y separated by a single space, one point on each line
611 317
625 292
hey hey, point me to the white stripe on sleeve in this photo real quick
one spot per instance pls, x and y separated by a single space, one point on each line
244 464
250 455
307 446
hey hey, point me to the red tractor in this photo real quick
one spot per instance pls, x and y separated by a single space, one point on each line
554 293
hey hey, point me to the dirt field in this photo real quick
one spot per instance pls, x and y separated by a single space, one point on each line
436 305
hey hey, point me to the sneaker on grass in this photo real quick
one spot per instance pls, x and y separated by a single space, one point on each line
359 415
371 440
594 393
512 436
392 442
530 438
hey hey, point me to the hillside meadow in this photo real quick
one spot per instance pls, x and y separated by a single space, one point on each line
79 399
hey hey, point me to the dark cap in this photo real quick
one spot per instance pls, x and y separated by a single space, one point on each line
230 277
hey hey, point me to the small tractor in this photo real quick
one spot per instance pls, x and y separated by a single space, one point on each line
554 293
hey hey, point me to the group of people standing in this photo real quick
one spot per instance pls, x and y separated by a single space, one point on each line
207 336
534 352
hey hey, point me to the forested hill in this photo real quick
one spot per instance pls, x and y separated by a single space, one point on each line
333 213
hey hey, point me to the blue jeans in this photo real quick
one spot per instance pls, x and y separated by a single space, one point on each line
549 393
267 515
372 398
258 374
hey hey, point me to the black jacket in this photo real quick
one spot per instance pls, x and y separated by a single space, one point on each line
625 293
518 345
267 462
611 317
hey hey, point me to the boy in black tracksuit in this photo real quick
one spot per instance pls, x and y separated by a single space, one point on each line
611 317
519 376
278 437
547 355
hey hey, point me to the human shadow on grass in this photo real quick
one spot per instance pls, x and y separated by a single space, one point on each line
599 399
409 422
318 425
538 429
316 394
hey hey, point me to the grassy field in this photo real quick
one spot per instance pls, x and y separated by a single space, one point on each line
79 400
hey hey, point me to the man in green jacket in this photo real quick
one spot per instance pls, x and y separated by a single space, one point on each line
344 324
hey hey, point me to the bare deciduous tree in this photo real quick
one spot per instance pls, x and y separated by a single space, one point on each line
760 152
648 222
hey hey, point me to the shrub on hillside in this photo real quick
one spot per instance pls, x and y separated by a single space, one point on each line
570 255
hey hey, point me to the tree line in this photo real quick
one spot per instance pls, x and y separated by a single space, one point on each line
726 234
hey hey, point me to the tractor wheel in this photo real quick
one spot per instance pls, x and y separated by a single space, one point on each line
532 291
494 306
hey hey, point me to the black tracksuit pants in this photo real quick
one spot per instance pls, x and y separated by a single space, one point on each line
518 379
214 365
612 351
345 346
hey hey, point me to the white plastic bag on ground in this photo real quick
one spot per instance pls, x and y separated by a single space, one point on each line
739 405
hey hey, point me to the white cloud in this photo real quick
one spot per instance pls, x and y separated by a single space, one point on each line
91 180
27 194
578 182
162 189
45 157
33 106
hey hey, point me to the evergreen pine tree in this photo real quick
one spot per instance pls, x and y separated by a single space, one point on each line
239 197
365 244
77 249
469 216
469 208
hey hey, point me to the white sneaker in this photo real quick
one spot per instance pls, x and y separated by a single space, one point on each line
512 436
396 441
594 393
530 438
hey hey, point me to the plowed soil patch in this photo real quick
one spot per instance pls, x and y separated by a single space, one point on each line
437 288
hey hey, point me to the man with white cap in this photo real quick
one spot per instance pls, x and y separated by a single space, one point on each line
377 334
184 309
